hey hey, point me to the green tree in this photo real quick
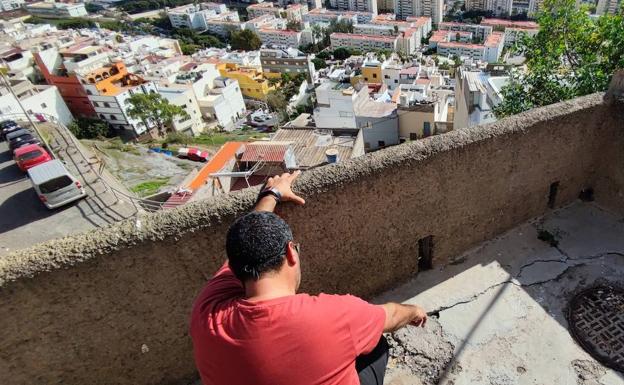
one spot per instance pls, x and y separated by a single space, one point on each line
277 102
93 8
319 63
245 40
571 55
294 25
341 53
75 23
89 128
153 108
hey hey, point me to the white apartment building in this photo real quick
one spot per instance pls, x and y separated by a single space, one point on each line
18 63
374 29
260 9
219 99
429 8
279 37
356 5
184 97
111 101
323 15
479 31
490 51
608 6
514 30
56 10
222 27
507 7
391 72
363 42
310 3
195 16
9 5
265 22
35 99
476 94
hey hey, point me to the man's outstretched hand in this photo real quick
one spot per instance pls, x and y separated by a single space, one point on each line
283 184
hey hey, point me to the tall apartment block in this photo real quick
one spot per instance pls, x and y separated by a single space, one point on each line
509 7
355 5
429 8
608 6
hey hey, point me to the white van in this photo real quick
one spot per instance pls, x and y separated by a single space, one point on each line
54 185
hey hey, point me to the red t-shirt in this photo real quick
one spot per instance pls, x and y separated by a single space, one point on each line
293 340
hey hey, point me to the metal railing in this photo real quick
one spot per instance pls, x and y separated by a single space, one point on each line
69 138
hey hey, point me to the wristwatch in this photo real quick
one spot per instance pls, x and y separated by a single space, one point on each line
272 192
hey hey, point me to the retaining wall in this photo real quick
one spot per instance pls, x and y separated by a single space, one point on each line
111 306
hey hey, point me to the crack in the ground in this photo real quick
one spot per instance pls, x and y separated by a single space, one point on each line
515 279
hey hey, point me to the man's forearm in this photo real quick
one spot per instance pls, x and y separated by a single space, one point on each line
398 315
267 203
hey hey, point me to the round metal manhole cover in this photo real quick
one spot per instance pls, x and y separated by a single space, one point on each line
596 318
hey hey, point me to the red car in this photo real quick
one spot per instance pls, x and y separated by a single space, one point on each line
30 156
193 154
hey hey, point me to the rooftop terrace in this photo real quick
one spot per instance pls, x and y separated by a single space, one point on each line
111 306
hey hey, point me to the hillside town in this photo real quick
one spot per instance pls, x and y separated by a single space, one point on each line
300 84
312 192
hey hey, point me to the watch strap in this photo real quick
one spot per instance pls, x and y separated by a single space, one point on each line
270 191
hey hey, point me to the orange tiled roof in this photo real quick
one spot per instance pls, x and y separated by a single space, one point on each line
218 161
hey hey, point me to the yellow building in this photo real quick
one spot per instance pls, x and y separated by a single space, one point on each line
371 70
252 82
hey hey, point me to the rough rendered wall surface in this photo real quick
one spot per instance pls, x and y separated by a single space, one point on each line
111 306
610 185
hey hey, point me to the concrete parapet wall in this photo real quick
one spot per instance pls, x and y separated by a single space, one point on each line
111 306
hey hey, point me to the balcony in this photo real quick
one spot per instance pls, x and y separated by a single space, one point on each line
111 306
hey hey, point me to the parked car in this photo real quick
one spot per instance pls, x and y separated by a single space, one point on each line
54 185
40 118
193 154
7 124
16 133
8 130
30 156
23 140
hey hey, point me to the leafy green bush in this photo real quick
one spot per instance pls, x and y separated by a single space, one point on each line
90 128
150 187
179 138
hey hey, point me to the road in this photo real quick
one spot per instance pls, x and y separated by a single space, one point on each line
25 221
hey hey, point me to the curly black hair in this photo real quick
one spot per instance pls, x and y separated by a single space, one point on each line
256 244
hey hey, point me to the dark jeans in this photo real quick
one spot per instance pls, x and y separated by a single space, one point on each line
371 367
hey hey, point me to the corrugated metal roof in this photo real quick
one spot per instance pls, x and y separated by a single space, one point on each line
309 145
257 152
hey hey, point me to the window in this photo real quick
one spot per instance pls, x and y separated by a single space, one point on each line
89 92
375 76
381 143
386 76
106 104
413 136
113 117
426 129
96 104
396 81
55 184
102 116
365 79
552 194
425 253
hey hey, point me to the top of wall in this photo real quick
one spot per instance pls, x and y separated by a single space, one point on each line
72 250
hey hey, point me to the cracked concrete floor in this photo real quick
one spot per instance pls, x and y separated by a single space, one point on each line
502 305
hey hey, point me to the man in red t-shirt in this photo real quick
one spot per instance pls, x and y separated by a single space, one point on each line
250 327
